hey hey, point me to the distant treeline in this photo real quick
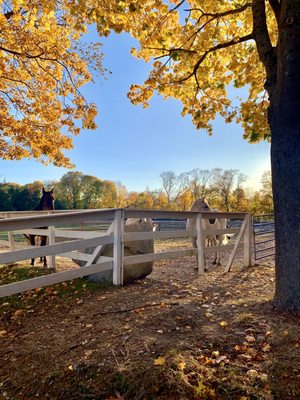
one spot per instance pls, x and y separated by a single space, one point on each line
75 190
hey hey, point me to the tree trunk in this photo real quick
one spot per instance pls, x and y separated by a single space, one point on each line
284 119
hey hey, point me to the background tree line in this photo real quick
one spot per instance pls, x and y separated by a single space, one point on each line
75 190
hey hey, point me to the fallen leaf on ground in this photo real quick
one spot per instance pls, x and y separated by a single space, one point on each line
266 347
159 361
223 324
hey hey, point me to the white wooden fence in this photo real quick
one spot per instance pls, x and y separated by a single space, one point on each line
78 240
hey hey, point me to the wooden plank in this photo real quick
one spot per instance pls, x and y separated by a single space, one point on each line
76 255
138 259
22 245
142 213
74 234
224 231
129 213
36 232
64 218
57 277
12 244
96 253
200 244
212 232
51 239
136 236
10 237
12 224
9 257
236 244
248 242
118 247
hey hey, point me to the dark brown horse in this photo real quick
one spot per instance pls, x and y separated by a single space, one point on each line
46 203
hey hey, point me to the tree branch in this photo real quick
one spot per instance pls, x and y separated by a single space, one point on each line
211 50
213 17
266 52
170 51
17 53
177 6
8 14
276 7
221 14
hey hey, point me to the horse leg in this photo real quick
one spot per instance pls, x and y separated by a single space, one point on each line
217 258
43 243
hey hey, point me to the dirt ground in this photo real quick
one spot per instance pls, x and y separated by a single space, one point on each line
173 335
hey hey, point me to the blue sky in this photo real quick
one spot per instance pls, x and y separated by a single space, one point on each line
133 145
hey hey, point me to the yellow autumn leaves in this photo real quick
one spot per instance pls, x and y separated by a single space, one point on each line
203 49
41 75
197 49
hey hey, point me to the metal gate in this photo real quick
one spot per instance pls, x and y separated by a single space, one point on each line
263 234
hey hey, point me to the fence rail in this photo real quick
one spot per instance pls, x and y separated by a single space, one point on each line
263 236
73 243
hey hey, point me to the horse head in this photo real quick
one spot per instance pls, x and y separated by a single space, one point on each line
200 205
47 200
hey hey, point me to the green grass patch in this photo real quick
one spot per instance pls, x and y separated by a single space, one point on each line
65 291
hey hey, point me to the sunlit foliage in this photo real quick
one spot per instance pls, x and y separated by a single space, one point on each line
43 65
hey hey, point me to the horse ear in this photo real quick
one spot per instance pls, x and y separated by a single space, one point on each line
52 190
43 190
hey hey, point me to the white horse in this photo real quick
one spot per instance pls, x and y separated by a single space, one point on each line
216 223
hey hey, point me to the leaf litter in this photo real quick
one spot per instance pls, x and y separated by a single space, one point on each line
174 335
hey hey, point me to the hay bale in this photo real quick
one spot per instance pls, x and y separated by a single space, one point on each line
134 271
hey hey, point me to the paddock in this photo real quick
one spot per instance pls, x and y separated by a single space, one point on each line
70 233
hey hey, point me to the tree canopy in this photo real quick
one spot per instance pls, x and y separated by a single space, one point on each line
43 65
198 49
75 190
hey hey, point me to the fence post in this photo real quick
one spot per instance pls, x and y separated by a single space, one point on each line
248 241
10 235
52 241
118 247
200 244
